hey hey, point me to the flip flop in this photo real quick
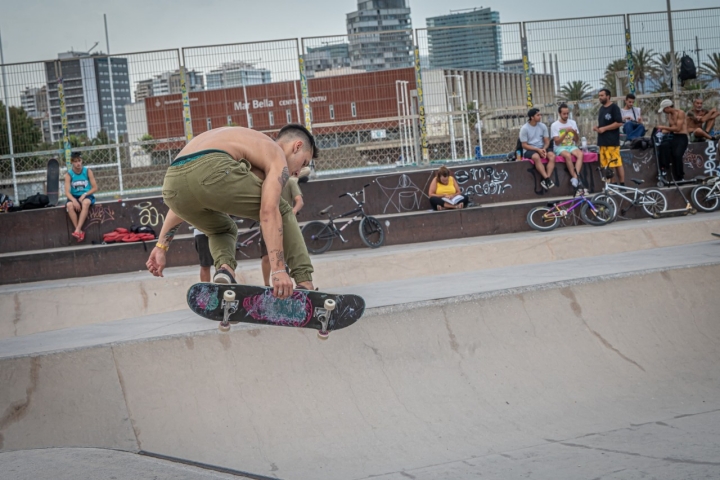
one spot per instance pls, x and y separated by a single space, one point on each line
81 237
76 235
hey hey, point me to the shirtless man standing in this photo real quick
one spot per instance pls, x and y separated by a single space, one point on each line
239 171
700 121
677 127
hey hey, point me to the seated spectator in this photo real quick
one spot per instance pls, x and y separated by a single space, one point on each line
632 120
535 142
700 122
443 189
79 188
566 135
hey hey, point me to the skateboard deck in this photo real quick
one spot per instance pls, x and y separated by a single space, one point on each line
324 312
53 181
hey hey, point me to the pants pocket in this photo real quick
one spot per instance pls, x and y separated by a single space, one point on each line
215 177
169 194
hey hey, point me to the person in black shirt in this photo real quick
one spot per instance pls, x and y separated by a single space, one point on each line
609 123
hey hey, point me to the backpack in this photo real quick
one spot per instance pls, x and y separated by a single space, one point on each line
640 143
123 235
687 68
35 201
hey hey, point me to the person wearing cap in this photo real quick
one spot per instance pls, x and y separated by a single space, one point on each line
239 171
292 194
610 121
674 150
79 188
535 141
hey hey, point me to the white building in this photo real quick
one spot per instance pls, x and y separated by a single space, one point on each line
237 74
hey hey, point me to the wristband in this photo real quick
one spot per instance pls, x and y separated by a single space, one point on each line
162 246
276 272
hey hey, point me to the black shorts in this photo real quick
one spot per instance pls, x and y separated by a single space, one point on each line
203 249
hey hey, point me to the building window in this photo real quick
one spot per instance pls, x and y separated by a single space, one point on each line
209 124
332 112
250 120
271 117
288 115
353 109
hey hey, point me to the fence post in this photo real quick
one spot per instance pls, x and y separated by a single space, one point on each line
629 56
63 116
9 126
114 110
187 118
672 55
421 105
526 67
304 92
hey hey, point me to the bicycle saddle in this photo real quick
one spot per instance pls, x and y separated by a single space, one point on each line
325 210
637 182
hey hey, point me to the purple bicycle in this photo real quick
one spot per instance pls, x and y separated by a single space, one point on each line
595 213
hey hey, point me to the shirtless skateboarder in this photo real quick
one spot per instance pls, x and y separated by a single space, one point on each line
241 172
677 127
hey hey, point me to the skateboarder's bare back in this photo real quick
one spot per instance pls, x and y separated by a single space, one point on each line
241 172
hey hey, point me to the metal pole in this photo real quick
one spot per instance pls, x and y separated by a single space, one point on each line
112 101
672 54
9 125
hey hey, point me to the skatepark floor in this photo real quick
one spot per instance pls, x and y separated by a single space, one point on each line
591 367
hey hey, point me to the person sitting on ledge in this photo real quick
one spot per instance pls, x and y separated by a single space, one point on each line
535 142
444 192
79 188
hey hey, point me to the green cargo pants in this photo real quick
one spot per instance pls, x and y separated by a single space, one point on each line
205 188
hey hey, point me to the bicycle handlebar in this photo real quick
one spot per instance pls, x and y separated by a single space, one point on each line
358 192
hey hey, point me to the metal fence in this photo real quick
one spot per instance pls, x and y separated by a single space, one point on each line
373 99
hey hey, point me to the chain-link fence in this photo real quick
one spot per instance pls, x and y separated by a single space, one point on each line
374 99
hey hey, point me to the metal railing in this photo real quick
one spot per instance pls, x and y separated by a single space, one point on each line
374 100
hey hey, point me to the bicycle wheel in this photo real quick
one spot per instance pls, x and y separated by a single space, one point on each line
371 232
538 220
601 197
318 237
705 198
602 214
653 201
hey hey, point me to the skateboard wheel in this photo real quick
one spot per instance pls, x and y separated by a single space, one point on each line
329 304
224 328
323 335
229 296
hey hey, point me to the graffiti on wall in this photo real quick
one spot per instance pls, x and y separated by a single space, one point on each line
99 214
481 181
147 215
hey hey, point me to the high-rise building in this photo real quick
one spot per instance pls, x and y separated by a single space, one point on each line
168 83
477 46
237 74
335 56
380 35
88 99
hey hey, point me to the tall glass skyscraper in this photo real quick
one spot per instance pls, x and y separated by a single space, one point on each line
469 48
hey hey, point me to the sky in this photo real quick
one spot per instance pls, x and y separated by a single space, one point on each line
35 30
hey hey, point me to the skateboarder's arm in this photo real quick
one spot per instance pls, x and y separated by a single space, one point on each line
169 229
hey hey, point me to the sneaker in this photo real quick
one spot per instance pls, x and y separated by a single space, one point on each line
550 184
543 184
574 182
586 192
223 276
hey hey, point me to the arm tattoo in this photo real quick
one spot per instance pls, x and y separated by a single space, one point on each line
170 235
279 259
284 177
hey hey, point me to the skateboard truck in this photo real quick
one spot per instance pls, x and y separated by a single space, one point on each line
230 306
323 315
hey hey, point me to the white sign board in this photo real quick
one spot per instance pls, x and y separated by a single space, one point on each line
378 134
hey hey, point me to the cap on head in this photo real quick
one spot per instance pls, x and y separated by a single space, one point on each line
532 112
664 104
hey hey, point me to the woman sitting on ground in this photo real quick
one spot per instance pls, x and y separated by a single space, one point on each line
444 190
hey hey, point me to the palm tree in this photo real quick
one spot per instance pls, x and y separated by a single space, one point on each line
644 66
663 70
575 91
609 80
712 67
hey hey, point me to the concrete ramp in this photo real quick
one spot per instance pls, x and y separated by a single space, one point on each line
613 378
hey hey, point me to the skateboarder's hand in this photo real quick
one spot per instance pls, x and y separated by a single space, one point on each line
156 262
282 285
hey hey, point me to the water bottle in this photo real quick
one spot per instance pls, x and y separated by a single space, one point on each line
583 142
518 155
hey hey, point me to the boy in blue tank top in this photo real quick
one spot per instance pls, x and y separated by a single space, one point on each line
79 188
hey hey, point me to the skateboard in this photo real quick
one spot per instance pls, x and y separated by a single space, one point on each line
716 234
53 181
233 303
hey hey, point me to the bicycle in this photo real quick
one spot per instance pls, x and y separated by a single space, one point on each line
706 197
319 235
652 201
595 213
247 238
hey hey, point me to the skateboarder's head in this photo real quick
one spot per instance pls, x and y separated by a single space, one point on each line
76 159
299 147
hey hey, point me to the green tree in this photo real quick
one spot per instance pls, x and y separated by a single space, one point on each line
644 67
25 134
663 70
575 91
711 68
609 80
149 148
